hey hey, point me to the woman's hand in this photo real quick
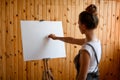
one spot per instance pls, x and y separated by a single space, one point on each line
52 36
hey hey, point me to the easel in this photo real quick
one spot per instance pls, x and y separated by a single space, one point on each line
47 75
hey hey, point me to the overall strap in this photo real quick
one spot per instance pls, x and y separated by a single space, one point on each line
94 54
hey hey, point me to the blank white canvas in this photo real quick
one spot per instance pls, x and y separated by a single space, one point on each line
35 41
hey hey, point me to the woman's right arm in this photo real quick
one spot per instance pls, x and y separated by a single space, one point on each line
68 39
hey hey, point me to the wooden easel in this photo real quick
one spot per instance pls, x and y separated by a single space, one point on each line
47 75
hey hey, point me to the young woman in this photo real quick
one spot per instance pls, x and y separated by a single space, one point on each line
86 61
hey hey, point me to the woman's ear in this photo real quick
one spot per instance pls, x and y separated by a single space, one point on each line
84 27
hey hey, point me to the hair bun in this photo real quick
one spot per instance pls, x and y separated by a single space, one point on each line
92 9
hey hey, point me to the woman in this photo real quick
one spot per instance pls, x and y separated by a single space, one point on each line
86 61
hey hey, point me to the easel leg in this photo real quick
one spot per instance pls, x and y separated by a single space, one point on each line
47 75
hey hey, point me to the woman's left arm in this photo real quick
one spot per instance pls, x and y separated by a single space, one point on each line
84 65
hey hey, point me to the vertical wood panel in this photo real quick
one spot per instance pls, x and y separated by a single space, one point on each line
73 19
118 35
3 40
15 41
12 66
101 28
64 19
10 27
20 55
23 12
1 67
28 14
36 17
108 46
8 38
32 18
60 19
40 66
104 37
68 34
117 39
112 38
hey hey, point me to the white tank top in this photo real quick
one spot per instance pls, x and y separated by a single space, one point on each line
97 46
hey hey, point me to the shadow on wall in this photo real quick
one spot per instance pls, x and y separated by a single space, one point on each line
110 65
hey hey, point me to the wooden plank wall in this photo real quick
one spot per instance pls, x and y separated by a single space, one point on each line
12 66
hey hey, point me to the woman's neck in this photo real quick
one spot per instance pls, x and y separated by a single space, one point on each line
89 35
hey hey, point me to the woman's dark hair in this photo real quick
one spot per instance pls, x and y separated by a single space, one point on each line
92 9
89 18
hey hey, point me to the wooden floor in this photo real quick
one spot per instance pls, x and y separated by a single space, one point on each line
12 66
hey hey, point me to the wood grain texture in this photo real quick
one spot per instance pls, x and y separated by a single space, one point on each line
12 65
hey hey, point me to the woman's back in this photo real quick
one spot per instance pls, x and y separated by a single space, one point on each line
97 46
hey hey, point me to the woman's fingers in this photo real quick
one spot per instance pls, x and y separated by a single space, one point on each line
49 36
52 36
